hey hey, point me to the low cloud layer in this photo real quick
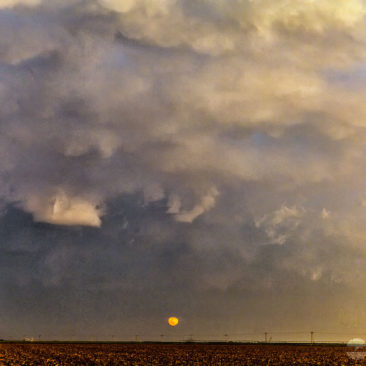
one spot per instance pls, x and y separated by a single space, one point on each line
63 210
235 129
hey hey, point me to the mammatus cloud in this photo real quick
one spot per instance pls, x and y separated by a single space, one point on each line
214 147
236 128
120 105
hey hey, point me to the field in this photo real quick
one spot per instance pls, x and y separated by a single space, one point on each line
174 354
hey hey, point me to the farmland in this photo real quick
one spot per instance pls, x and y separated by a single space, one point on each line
173 354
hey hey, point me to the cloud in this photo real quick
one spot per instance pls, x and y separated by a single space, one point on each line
64 210
218 27
279 224
309 16
174 204
207 203
12 3
118 105
120 6
205 145
325 214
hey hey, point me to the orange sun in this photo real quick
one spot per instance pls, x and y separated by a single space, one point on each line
173 321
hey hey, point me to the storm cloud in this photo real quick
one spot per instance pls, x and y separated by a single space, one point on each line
164 156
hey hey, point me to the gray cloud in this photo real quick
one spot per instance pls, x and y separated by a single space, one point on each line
215 147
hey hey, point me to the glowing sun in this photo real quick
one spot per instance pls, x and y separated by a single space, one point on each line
173 321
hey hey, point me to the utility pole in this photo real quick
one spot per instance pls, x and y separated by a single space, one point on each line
312 337
265 337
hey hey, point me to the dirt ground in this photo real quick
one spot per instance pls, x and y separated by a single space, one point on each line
176 354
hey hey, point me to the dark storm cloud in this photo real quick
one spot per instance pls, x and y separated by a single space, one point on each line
203 158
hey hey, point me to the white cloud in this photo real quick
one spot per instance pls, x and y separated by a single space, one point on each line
325 214
64 210
280 224
206 203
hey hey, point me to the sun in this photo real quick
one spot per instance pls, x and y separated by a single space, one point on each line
173 321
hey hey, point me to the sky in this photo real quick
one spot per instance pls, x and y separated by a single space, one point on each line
197 158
